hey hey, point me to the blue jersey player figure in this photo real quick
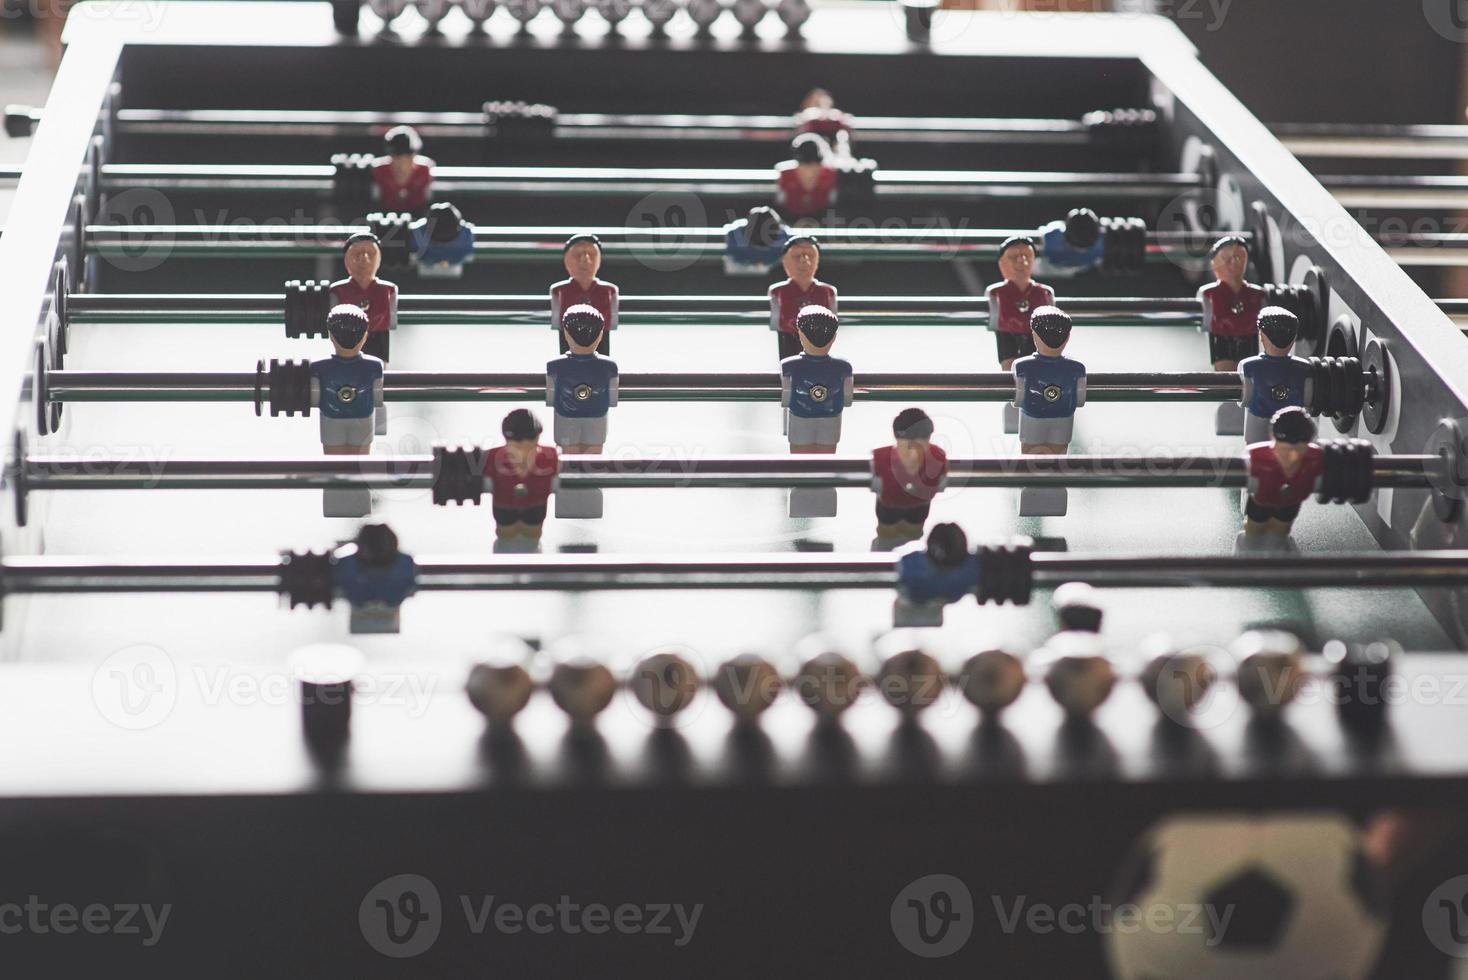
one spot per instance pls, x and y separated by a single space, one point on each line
375 577
442 241
1048 388
753 245
1273 379
1074 245
815 389
582 387
934 576
346 389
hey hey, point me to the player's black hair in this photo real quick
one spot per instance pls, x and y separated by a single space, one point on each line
1078 610
1292 424
1082 227
1280 325
347 324
763 226
818 324
358 237
444 222
520 425
1014 241
947 545
808 148
795 240
377 545
1051 325
912 423
583 324
1227 241
402 139
578 239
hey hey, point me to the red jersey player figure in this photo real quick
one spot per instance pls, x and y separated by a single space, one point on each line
521 476
378 298
906 476
582 256
805 187
818 114
802 260
1230 316
1282 473
1011 303
402 178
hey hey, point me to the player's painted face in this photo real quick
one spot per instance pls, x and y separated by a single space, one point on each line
363 260
1290 454
801 262
912 453
1229 264
402 166
818 98
1016 263
583 261
522 452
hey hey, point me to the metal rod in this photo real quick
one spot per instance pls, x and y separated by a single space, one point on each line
426 386
46 574
66 472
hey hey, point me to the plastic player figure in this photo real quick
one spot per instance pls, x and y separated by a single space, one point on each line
403 179
907 475
1230 316
442 241
1282 473
932 577
582 256
753 245
805 187
1048 388
375 577
818 114
815 387
345 388
582 386
801 258
378 298
521 476
1274 379
1011 304
1074 245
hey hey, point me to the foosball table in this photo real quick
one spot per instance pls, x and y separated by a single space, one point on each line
1072 586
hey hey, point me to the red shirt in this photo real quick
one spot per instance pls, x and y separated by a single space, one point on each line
512 489
410 196
797 201
901 488
826 122
1268 484
1010 307
602 295
379 301
1232 314
787 298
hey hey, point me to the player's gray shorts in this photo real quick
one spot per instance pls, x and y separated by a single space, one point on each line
824 431
570 431
346 432
1045 432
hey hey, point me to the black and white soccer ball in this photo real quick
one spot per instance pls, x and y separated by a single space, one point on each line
1247 897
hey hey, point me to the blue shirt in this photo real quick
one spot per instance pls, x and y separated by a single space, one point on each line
918 581
430 254
817 384
1061 254
739 253
389 586
347 385
1049 385
1278 382
580 385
